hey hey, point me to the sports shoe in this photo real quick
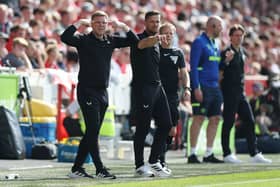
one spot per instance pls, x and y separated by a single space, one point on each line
144 171
212 159
158 170
164 167
104 174
78 172
259 158
193 159
232 159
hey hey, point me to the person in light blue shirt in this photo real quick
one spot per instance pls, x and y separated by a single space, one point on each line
206 95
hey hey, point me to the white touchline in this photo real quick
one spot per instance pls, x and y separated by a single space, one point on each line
241 182
32 167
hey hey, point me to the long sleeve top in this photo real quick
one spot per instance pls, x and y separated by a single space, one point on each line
204 60
95 55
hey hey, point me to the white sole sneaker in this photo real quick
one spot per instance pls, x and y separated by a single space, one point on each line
259 158
75 175
232 159
144 171
159 171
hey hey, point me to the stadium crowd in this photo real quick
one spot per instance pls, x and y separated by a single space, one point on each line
30 39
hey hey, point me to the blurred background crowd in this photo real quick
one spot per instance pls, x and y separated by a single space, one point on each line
30 39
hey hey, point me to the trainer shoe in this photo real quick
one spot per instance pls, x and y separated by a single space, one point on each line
259 158
164 167
212 159
158 170
104 174
232 159
144 171
193 159
78 172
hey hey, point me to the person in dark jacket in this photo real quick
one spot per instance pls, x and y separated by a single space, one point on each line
232 85
150 98
95 50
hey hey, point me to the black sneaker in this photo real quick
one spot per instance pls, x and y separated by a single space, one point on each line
78 172
193 159
212 159
104 174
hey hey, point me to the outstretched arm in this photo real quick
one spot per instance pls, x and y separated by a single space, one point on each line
151 41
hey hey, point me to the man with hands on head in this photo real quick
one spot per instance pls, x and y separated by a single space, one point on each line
232 85
150 98
95 50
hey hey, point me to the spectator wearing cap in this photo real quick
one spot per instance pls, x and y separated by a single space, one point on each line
17 57
3 40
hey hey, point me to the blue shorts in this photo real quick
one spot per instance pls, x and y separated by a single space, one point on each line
211 104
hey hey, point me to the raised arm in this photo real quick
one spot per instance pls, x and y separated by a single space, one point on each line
131 37
69 37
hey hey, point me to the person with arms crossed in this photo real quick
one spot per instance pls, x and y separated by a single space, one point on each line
172 68
232 85
95 50
206 96
150 98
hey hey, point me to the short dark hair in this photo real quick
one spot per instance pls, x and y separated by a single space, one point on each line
39 11
236 27
72 55
151 13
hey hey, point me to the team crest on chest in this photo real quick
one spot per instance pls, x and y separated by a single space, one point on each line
174 59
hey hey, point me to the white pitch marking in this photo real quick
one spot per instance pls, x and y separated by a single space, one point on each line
241 182
32 167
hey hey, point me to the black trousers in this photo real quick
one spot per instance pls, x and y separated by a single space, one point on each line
173 102
151 102
93 103
237 103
